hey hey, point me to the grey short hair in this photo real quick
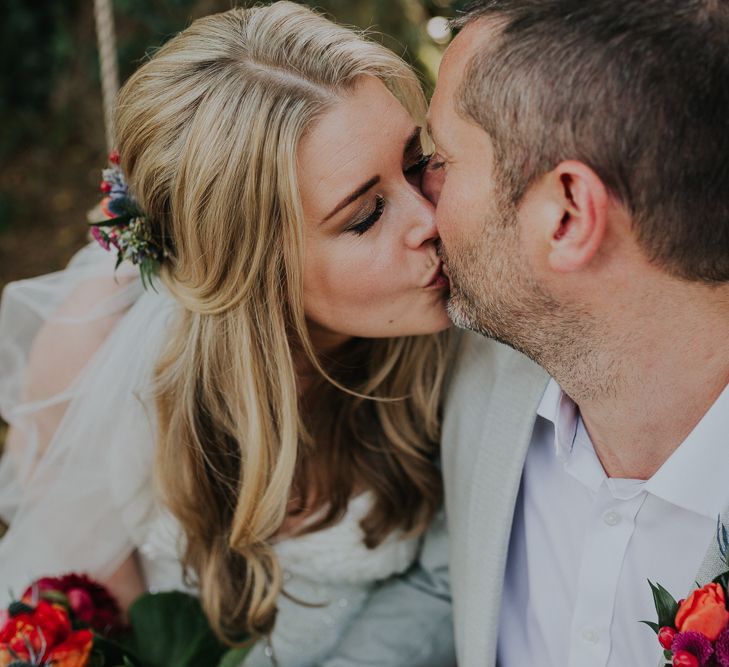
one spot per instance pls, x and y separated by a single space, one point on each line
636 89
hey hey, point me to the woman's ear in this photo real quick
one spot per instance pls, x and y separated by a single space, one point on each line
580 201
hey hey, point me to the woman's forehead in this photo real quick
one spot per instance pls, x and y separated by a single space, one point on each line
359 137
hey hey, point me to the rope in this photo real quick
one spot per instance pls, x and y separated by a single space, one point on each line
108 61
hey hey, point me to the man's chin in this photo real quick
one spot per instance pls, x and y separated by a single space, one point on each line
460 312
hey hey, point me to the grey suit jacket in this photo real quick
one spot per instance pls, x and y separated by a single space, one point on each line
490 409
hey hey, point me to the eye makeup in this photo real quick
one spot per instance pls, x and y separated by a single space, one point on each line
417 168
362 226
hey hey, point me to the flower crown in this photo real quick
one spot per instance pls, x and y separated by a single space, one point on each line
127 228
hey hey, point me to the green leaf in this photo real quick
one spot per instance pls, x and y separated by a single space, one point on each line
666 606
653 626
114 652
234 657
17 607
171 629
722 580
148 269
56 596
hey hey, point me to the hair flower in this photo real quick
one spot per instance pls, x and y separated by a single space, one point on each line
126 228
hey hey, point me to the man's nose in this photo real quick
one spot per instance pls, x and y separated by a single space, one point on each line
431 184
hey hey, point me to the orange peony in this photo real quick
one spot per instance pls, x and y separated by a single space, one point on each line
704 611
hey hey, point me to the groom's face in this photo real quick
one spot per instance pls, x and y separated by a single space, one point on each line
477 225
487 254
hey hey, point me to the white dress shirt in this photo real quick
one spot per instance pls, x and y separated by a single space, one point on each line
584 545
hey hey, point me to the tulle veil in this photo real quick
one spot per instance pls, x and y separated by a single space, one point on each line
76 476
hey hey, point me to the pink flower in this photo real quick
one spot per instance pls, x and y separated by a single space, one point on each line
90 602
99 236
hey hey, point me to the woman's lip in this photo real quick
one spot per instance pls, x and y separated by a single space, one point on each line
438 280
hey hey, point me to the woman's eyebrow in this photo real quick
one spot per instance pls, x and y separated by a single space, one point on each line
354 195
412 143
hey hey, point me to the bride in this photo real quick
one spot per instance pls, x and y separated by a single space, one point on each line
260 425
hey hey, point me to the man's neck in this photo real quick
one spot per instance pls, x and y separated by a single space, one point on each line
669 373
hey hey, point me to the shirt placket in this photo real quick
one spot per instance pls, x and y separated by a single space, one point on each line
611 527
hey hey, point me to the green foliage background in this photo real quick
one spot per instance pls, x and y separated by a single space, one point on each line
52 145
51 122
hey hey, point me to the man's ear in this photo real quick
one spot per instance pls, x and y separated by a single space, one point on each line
577 233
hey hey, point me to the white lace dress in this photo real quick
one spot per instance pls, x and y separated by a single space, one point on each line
76 479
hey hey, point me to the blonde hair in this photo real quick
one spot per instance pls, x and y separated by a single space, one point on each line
208 131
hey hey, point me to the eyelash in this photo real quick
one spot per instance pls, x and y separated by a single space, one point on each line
419 166
372 218
435 164
362 227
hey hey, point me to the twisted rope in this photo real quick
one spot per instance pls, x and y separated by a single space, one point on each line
105 34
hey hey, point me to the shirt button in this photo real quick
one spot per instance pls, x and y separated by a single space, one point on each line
611 518
590 636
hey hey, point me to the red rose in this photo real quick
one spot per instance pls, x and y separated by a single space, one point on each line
40 630
91 603
74 652
704 611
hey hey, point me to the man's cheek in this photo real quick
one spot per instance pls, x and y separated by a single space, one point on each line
432 184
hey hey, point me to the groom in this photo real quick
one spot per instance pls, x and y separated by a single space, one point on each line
582 186
581 177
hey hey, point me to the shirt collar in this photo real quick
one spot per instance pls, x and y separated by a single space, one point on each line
559 409
695 475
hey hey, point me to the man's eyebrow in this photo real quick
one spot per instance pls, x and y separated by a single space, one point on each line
354 195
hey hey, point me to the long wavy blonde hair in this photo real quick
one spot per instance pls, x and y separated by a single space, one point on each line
208 131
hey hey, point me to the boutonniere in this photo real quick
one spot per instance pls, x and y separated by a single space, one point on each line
695 632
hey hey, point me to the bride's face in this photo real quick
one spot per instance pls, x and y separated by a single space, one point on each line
371 268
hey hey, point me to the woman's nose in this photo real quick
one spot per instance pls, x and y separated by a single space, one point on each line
421 228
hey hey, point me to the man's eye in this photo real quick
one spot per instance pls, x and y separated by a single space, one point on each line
435 162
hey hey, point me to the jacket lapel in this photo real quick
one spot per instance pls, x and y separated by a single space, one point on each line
714 563
494 448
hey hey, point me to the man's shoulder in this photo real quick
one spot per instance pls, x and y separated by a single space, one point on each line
485 362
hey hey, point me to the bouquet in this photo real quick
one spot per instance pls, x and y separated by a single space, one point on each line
73 621
694 632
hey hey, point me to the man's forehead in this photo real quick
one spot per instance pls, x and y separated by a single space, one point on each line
477 35
453 66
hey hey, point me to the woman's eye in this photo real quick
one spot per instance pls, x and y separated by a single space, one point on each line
364 225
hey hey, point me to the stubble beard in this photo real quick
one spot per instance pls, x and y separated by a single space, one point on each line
494 293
